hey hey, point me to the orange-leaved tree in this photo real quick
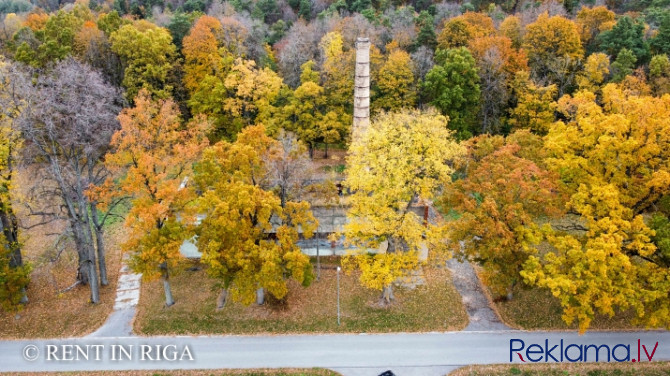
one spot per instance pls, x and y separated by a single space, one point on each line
496 205
153 155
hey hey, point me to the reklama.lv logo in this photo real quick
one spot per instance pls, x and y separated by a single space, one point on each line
573 352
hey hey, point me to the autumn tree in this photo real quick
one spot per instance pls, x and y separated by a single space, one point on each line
613 264
110 22
512 29
92 46
69 121
452 86
305 108
403 158
153 154
498 201
306 113
395 81
337 71
14 273
244 96
535 105
591 22
595 73
147 53
554 50
202 54
55 41
659 74
497 63
240 216
36 20
458 31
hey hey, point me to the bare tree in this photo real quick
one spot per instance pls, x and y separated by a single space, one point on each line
423 62
494 93
287 167
70 117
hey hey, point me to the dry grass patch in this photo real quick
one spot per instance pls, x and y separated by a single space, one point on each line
434 307
50 313
535 308
227 372
568 369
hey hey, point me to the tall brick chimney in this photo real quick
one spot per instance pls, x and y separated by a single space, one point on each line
361 87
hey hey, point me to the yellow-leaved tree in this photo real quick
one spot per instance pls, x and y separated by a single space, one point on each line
554 50
403 158
14 274
248 236
152 155
613 158
395 83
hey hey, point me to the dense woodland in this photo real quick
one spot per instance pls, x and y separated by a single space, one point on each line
505 116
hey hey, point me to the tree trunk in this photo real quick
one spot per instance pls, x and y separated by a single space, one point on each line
325 156
93 277
165 277
82 271
100 244
510 291
260 296
10 228
311 151
387 296
318 256
222 299
88 243
282 195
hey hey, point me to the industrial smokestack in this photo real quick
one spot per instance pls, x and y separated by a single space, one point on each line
362 87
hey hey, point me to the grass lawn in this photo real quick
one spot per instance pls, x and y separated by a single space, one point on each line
568 369
433 307
233 372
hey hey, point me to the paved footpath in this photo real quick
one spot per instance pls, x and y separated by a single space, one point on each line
352 354
120 321
477 304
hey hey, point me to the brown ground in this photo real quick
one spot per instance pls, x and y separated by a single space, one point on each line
49 312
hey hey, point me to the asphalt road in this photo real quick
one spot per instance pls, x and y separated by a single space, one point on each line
352 354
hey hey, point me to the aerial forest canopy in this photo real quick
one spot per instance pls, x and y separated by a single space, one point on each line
537 131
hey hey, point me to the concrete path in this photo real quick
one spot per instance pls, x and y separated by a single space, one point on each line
120 321
476 303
